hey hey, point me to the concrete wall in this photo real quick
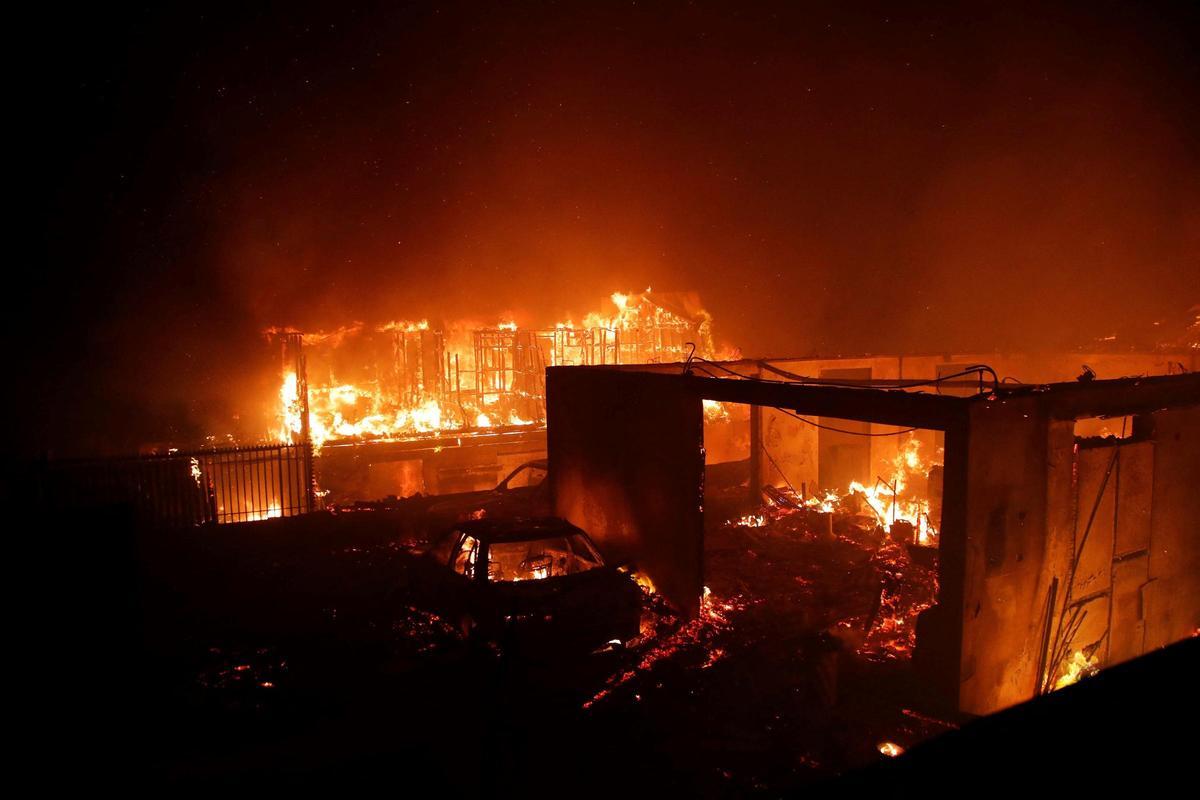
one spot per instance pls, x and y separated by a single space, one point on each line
1171 595
1025 367
1007 553
627 466
1036 497
794 446
1019 492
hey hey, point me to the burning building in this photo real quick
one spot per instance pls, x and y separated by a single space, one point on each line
404 408
393 410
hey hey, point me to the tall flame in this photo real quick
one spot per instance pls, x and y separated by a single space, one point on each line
886 500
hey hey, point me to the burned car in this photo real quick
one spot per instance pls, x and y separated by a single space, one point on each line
532 582
525 492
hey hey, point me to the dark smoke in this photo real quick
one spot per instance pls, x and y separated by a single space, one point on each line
828 180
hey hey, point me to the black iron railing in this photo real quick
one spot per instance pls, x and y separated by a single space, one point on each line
180 489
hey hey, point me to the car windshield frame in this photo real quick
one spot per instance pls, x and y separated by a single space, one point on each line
556 556
468 558
503 486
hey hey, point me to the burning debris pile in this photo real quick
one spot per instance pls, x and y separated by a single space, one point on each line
241 670
665 636
826 572
903 506
842 569
878 541
405 379
682 680
239 682
818 617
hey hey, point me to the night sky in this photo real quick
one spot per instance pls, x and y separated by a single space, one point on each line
829 177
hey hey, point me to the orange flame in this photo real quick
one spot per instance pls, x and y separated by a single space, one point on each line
470 396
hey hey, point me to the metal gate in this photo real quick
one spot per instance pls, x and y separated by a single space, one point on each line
182 489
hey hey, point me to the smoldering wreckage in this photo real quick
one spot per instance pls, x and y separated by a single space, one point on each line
612 556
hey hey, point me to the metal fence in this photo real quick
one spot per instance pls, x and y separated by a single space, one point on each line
248 484
240 484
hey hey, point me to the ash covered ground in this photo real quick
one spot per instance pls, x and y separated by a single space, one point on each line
296 652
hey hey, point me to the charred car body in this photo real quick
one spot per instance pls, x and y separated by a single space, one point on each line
531 582
523 493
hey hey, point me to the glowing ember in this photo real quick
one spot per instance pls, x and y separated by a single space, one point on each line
1079 665
825 504
889 749
641 579
906 575
194 466
699 634
249 513
907 590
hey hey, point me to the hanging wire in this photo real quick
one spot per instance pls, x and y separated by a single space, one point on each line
840 430
687 365
974 369
793 379
782 474
805 420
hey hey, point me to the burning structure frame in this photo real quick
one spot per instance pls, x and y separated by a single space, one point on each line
410 380
1055 545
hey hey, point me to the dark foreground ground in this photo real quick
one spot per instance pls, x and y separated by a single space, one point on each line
290 655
